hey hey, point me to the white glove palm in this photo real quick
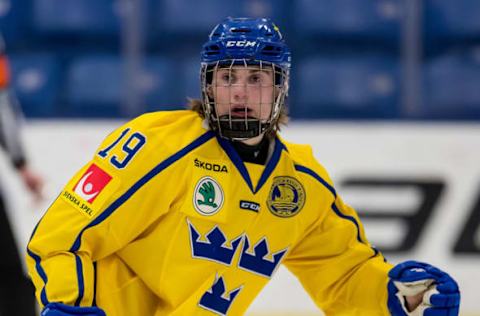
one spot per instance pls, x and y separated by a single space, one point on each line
438 291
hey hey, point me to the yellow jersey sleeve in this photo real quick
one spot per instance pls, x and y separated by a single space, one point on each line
334 261
105 206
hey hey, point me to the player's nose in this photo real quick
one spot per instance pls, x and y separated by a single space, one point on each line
238 91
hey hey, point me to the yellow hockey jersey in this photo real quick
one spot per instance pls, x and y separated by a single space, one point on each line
166 219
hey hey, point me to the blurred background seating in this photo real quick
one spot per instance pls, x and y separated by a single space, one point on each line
15 22
452 21
357 20
347 87
451 86
37 83
71 58
190 17
97 85
76 18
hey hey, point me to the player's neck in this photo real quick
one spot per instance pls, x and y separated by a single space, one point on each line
256 153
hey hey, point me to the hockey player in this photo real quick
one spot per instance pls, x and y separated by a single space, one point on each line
191 212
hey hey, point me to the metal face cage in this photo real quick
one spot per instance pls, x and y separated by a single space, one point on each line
264 85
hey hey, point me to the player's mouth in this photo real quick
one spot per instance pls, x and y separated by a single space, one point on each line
241 111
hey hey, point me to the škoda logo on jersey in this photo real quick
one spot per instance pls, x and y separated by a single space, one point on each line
92 182
210 166
208 196
286 197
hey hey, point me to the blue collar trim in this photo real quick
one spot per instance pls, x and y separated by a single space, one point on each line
238 162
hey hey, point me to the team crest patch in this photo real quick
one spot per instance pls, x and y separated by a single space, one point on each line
208 196
286 197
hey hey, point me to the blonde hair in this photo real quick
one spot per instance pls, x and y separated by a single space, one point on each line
196 105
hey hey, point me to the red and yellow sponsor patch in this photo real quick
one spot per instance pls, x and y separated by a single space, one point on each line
86 195
93 181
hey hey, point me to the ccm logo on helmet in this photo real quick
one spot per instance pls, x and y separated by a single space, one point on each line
241 43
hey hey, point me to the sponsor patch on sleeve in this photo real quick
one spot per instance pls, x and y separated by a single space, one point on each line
86 194
93 181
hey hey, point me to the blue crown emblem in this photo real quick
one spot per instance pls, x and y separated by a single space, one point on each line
257 262
215 299
215 247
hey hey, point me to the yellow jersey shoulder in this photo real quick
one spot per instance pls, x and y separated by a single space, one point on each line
129 155
302 155
148 140
171 127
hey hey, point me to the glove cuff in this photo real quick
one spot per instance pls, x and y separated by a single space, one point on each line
58 309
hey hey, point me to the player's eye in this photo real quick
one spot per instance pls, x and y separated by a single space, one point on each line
255 79
227 78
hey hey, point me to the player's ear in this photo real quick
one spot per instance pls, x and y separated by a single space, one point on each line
210 91
277 90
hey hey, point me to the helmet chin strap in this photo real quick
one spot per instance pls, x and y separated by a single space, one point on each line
240 129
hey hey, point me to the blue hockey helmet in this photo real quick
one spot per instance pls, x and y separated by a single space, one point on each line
246 38
248 42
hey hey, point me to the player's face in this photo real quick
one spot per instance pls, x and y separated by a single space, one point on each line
243 92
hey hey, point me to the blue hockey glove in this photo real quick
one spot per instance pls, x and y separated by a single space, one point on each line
58 309
441 296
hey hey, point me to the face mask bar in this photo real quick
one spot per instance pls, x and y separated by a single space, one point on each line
243 127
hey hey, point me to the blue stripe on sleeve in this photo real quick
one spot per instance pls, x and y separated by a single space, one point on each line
347 217
317 177
94 303
38 266
332 190
376 253
140 183
81 286
42 274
